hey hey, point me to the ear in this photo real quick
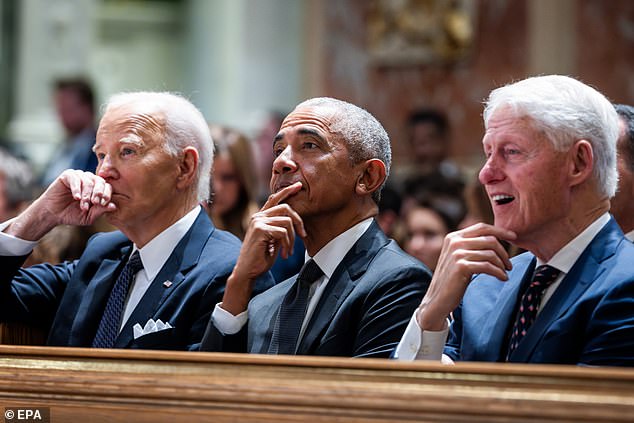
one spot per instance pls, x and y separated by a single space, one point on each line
187 168
371 178
582 162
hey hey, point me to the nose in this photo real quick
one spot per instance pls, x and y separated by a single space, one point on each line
491 172
284 163
106 169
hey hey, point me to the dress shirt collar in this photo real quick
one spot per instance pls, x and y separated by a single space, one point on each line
329 257
630 235
155 253
565 258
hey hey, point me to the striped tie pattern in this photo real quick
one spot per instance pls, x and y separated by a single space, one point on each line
111 320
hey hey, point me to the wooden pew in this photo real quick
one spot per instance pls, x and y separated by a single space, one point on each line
86 385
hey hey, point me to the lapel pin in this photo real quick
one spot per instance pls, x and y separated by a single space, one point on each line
167 284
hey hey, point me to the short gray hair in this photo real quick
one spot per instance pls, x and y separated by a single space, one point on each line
184 126
566 110
364 136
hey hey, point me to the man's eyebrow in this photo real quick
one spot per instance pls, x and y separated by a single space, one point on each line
309 131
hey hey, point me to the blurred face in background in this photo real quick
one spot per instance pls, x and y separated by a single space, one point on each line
74 115
428 143
425 233
226 185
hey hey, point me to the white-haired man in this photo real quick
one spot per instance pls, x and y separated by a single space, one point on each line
550 171
153 283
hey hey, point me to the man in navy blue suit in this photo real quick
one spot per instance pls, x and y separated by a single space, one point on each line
154 154
331 161
550 171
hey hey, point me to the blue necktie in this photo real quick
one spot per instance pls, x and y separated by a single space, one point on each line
543 277
293 310
111 320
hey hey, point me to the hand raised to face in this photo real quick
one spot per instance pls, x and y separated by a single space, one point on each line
77 198
272 230
467 252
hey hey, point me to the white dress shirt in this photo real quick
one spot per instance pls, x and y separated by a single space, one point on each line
630 235
153 255
328 258
417 344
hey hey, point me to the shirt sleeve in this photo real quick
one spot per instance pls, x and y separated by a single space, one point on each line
417 344
227 323
12 246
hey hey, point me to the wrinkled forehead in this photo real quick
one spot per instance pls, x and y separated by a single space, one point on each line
323 117
142 120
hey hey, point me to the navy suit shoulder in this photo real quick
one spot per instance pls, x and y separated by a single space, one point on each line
588 320
362 312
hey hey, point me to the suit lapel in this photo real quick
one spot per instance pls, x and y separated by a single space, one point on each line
343 280
586 269
184 257
94 298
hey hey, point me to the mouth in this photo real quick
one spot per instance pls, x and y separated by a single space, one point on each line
501 199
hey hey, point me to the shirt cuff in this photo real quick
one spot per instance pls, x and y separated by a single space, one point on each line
417 344
12 246
227 323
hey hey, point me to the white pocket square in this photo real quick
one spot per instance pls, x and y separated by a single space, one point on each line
150 327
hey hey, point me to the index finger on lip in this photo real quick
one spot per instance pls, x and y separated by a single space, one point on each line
277 197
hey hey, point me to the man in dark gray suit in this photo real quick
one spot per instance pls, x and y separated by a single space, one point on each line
332 160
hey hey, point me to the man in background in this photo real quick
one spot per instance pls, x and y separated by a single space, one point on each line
623 202
75 106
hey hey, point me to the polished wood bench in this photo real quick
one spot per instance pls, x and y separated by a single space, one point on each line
86 385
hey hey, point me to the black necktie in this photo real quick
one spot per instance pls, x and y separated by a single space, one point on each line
111 320
543 277
293 310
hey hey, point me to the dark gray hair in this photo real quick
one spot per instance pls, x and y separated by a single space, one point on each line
364 136
626 113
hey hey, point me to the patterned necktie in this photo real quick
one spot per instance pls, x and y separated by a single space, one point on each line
543 277
293 310
110 321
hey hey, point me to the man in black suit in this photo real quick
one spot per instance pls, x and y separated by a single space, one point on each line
153 283
332 159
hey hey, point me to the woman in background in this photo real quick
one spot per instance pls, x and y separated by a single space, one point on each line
233 181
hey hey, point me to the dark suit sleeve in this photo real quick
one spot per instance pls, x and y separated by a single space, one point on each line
611 329
31 295
388 309
452 346
214 340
